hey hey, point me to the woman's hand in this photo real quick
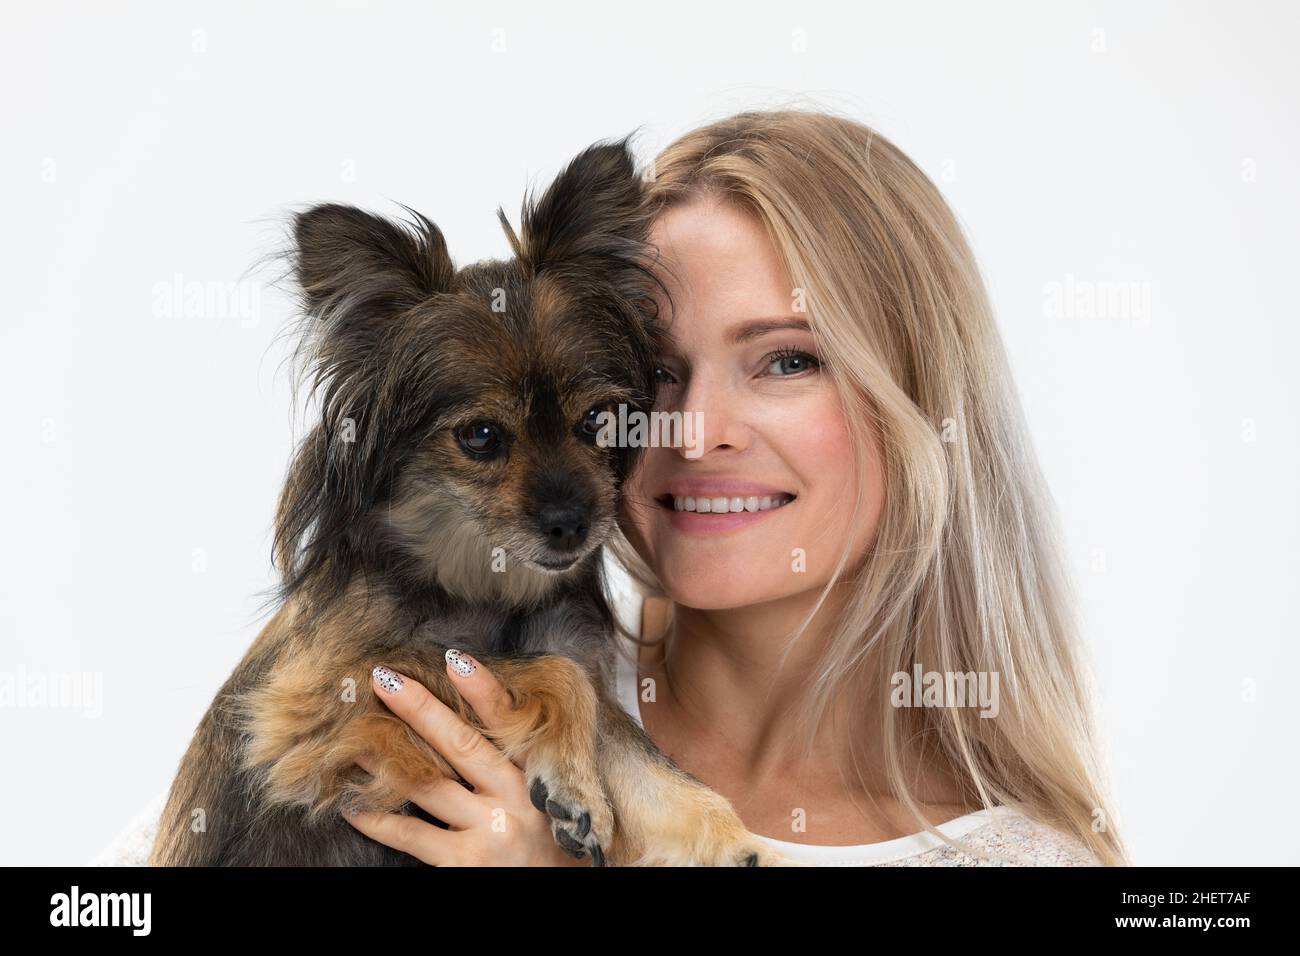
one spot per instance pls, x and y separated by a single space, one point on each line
495 824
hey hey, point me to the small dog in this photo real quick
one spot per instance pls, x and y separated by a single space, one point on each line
453 494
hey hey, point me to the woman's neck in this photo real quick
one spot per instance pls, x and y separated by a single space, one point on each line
727 675
726 690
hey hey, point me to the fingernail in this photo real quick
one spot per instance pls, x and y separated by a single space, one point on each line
390 681
461 662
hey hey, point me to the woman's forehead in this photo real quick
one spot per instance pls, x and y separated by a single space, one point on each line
706 222
719 269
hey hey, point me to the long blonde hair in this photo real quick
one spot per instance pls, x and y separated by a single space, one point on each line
964 574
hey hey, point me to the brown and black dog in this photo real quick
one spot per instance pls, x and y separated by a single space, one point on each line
453 495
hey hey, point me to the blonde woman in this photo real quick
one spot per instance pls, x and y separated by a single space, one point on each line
833 334
857 532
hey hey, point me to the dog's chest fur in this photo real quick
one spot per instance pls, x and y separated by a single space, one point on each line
576 624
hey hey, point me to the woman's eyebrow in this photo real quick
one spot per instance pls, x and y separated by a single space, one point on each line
752 329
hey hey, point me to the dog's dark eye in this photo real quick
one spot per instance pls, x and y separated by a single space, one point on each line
591 423
481 439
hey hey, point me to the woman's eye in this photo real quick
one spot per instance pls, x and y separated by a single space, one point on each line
667 376
790 362
481 439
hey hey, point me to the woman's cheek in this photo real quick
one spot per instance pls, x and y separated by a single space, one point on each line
819 445
638 510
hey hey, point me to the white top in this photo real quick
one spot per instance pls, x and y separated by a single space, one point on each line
628 603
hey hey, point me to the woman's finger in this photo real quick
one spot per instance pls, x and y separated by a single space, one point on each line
445 799
475 757
480 688
410 835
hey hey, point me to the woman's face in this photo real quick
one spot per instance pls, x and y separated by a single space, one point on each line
742 357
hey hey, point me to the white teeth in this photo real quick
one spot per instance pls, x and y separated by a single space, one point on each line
730 505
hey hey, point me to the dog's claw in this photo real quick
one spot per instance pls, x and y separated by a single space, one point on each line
537 794
569 843
572 823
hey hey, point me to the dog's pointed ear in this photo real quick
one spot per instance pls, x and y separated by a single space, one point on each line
591 213
357 273
367 266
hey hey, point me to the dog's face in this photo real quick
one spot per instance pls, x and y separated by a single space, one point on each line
460 437
511 470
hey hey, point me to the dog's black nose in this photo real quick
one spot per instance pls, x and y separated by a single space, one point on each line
565 526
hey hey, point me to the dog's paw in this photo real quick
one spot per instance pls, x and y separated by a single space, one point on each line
582 820
691 825
754 852
734 846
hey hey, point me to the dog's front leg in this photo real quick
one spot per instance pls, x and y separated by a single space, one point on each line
305 739
550 730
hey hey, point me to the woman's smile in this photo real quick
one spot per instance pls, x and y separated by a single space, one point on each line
716 506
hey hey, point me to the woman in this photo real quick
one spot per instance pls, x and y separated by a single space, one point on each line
887 542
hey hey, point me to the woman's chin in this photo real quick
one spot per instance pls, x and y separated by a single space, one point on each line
716 593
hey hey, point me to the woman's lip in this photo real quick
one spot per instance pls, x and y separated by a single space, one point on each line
701 488
707 522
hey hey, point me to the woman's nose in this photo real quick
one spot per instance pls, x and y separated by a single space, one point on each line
718 417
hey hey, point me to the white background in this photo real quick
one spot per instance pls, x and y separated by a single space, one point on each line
144 444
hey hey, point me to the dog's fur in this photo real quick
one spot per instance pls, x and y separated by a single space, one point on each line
401 532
